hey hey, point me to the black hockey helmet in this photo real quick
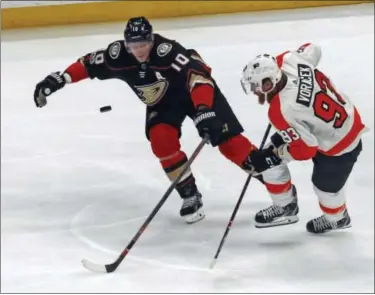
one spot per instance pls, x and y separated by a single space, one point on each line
138 29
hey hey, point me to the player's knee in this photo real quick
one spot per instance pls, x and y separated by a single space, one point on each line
236 149
328 184
164 140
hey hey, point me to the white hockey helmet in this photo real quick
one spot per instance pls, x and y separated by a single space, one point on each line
259 70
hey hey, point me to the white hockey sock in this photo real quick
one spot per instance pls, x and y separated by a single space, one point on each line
278 183
332 204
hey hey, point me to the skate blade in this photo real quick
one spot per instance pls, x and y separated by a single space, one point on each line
284 220
195 217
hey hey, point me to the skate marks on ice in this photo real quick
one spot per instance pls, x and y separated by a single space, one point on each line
95 225
283 253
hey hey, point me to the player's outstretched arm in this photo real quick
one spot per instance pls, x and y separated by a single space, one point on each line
46 87
92 65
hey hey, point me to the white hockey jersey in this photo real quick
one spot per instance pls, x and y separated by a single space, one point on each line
310 113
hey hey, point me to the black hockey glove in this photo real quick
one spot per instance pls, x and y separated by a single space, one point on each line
277 140
208 123
49 85
262 160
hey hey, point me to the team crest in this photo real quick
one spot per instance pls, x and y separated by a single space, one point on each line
114 50
151 94
163 49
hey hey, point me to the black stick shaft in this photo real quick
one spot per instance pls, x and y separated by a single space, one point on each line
238 203
113 266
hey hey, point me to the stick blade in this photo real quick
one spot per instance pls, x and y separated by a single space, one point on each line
213 262
94 266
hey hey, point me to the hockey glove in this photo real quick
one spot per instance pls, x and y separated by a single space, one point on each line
260 161
208 123
49 85
276 140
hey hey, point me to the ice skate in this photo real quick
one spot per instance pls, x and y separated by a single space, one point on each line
276 215
322 224
192 209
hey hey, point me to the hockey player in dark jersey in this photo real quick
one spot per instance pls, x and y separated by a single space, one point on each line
174 83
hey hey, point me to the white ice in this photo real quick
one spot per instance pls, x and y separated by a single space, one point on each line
76 183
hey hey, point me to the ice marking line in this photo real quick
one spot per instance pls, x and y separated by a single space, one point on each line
76 231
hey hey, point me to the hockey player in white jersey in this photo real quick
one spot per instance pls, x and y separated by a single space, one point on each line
314 121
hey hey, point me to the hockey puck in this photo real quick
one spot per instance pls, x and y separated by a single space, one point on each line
105 109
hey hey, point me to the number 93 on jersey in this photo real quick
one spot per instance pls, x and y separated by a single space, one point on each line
289 135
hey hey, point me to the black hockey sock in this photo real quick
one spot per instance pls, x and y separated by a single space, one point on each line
187 188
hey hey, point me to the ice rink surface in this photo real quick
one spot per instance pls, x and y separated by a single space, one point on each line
76 183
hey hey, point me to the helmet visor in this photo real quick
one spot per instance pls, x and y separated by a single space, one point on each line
248 86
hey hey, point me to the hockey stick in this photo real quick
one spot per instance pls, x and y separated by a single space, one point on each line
113 266
238 204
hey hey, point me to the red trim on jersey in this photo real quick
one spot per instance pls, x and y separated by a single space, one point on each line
298 149
200 60
203 94
332 210
206 67
348 139
77 72
304 45
278 188
280 58
121 68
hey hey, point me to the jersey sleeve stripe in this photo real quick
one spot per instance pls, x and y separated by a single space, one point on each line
77 72
203 95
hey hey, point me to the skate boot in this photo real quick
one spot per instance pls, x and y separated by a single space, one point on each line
277 215
192 209
192 206
322 224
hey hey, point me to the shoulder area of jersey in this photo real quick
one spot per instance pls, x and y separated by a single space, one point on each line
284 105
310 56
115 49
163 46
293 98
